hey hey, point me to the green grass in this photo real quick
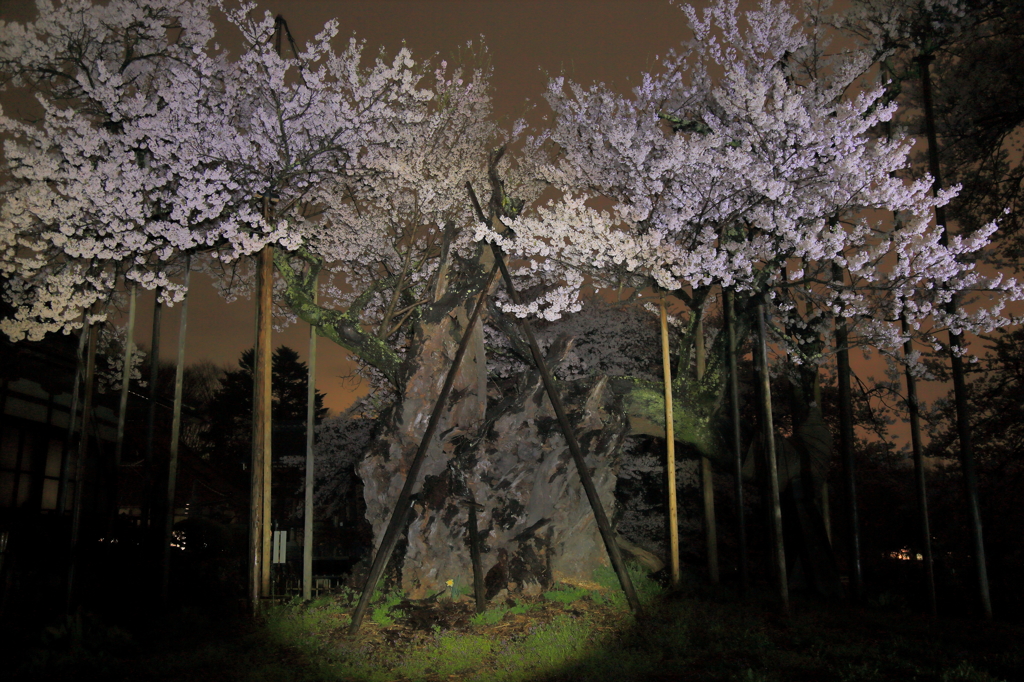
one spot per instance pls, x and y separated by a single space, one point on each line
386 614
566 594
489 617
712 635
451 654
544 651
647 590
497 613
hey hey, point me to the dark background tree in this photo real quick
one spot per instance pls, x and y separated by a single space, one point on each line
228 434
997 419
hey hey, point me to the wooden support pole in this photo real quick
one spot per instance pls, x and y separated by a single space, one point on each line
913 411
826 511
707 477
154 387
474 555
778 549
737 438
670 446
846 448
172 461
65 464
307 519
403 505
81 461
260 525
603 525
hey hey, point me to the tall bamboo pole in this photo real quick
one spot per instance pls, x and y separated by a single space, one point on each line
779 551
126 376
846 447
956 349
670 443
307 519
913 410
122 412
154 382
737 439
172 461
826 510
707 477
260 528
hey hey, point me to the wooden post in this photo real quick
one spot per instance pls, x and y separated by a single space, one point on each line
737 438
307 519
65 464
913 412
670 443
707 476
846 447
260 526
474 556
826 510
778 548
154 385
172 461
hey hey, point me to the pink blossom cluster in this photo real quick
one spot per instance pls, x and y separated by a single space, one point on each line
748 153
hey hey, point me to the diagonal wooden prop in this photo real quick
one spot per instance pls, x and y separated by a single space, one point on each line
607 534
405 498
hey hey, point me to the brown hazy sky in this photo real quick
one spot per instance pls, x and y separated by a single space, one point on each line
612 41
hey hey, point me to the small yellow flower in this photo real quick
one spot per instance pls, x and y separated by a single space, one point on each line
450 582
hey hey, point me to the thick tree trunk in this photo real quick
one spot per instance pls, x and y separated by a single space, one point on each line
534 519
778 553
435 538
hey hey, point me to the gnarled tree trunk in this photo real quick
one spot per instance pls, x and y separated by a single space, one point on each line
534 519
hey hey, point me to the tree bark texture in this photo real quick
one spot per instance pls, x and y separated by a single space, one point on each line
259 530
534 520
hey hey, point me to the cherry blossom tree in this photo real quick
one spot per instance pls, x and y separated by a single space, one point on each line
739 156
945 58
365 167
155 142
750 162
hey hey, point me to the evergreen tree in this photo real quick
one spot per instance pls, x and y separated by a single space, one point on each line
228 440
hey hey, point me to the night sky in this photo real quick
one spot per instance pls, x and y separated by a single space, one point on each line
611 41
